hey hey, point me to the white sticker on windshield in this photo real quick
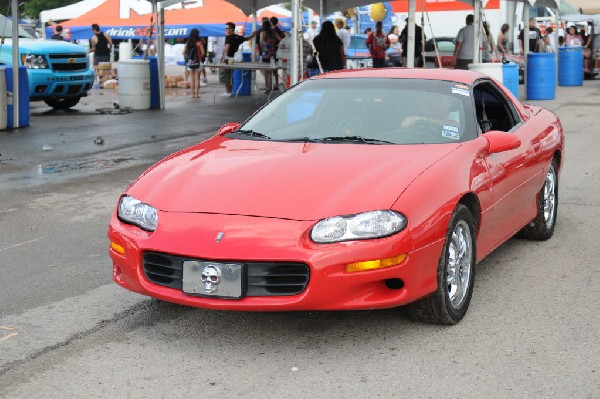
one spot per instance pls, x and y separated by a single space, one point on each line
461 90
450 132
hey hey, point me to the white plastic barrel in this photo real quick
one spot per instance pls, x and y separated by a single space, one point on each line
3 100
125 51
493 69
134 84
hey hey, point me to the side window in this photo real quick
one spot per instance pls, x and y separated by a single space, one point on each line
494 112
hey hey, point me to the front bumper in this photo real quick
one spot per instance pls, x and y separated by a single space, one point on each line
45 83
252 239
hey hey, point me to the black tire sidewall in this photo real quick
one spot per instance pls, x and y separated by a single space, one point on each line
62 103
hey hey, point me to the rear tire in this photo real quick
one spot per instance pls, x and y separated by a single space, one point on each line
542 227
62 103
455 274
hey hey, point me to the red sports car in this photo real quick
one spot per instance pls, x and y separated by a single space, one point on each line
356 189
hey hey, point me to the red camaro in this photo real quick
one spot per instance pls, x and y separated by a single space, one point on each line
357 189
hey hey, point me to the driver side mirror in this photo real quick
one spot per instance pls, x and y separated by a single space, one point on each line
501 141
228 128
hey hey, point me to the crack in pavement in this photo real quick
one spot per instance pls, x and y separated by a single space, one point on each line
55 325
74 337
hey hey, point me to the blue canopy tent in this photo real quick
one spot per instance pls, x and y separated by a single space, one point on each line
122 19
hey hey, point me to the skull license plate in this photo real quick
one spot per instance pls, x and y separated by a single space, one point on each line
220 280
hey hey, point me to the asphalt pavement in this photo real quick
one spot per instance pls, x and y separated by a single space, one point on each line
67 331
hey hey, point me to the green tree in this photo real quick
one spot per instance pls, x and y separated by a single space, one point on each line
32 8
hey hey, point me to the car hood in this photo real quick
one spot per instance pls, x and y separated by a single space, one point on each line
295 181
46 46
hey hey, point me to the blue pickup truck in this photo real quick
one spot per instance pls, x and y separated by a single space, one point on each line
59 72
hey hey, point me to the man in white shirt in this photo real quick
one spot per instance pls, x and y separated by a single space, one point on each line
343 34
465 43
311 32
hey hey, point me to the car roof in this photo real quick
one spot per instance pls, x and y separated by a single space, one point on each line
453 75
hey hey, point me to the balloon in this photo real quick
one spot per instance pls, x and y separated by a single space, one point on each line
378 12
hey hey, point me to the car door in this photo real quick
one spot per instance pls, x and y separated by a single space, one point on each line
515 175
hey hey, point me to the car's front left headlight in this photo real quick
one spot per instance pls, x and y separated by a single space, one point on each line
136 212
366 225
34 61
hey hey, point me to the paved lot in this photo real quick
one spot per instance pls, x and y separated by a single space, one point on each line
67 332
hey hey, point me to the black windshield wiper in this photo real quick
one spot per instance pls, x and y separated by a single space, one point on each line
356 139
252 133
305 139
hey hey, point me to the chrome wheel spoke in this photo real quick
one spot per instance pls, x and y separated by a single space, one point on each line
549 192
458 268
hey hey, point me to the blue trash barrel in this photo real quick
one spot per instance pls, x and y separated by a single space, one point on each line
23 97
510 77
242 82
154 93
541 76
570 66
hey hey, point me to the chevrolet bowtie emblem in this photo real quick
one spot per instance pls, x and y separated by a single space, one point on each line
219 236
72 60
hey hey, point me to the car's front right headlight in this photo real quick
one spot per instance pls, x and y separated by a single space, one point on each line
363 226
34 61
134 211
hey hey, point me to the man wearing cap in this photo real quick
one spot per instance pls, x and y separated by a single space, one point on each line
311 32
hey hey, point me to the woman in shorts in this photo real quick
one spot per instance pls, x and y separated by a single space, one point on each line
193 53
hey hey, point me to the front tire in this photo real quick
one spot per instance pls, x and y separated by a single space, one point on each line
542 227
455 274
62 103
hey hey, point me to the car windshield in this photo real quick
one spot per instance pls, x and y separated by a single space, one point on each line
366 111
6 29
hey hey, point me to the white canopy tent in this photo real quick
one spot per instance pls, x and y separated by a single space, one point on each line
68 12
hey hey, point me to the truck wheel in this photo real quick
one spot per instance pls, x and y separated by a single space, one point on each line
62 103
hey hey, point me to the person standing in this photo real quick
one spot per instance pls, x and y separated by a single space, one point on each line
418 45
394 36
551 36
279 35
193 53
311 32
549 40
487 43
268 45
101 45
233 42
573 37
535 38
202 72
58 33
502 43
343 35
378 43
330 50
586 42
465 43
